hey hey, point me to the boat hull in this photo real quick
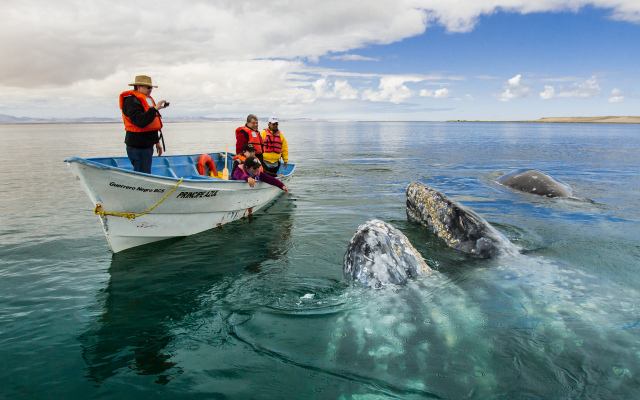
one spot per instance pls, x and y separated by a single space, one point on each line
178 208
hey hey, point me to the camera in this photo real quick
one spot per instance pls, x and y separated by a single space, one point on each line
166 104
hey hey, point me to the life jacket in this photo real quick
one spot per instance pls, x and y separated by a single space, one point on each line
257 177
272 143
241 162
147 103
241 159
254 138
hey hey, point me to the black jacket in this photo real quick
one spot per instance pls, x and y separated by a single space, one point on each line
132 109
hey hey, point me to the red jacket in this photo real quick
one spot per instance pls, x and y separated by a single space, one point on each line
245 135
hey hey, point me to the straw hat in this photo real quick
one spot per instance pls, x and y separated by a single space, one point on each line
142 80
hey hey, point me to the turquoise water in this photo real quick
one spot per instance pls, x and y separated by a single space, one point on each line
259 309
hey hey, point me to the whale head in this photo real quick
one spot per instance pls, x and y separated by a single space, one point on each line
458 226
379 254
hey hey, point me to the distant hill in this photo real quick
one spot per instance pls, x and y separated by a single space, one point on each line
8 119
574 120
591 120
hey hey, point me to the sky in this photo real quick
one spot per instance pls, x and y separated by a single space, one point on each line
396 60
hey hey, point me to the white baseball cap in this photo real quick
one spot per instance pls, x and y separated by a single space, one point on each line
273 120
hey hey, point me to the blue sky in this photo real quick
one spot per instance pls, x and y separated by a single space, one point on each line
346 60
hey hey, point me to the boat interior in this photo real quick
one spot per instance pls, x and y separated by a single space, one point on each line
181 166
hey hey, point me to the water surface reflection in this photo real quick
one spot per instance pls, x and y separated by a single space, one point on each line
153 289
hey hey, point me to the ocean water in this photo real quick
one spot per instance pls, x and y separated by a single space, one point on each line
259 309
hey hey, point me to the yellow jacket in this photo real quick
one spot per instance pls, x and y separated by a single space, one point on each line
273 157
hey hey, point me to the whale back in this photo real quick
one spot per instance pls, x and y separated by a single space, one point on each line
458 226
535 182
379 254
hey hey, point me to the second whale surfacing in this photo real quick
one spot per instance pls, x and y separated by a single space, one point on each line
535 182
458 226
379 254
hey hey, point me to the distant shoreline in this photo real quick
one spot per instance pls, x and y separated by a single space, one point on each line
572 120
546 120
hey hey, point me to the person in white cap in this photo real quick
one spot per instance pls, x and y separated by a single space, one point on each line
142 122
274 147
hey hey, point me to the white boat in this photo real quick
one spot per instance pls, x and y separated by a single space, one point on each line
174 200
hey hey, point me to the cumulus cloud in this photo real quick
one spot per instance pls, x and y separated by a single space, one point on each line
223 53
617 96
340 88
69 40
515 89
72 40
438 93
391 88
462 16
581 90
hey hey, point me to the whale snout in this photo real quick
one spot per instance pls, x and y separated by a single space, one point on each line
379 254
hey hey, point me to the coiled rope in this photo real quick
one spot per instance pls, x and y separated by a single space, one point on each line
98 210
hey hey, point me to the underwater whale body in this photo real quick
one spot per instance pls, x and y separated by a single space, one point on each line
535 182
460 227
379 254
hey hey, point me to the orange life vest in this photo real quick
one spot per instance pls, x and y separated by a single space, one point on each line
272 143
254 138
240 157
155 125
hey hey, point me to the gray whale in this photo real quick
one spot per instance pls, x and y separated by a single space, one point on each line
454 223
535 182
379 254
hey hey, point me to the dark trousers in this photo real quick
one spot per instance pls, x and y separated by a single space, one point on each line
271 169
140 159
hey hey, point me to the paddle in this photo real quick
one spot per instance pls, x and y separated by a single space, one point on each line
225 171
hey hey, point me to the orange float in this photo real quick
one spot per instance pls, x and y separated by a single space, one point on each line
204 162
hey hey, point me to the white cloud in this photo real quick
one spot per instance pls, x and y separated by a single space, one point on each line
392 88
73 40
468 97
221 55
515 89
462 16
70 40
339 89
353 57
438 93
582 90
548 93
617 96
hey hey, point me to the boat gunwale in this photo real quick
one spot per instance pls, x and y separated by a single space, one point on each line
202 179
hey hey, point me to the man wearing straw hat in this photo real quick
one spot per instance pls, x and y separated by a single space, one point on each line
142 122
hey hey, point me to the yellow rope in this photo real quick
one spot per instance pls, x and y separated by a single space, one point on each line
99 211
